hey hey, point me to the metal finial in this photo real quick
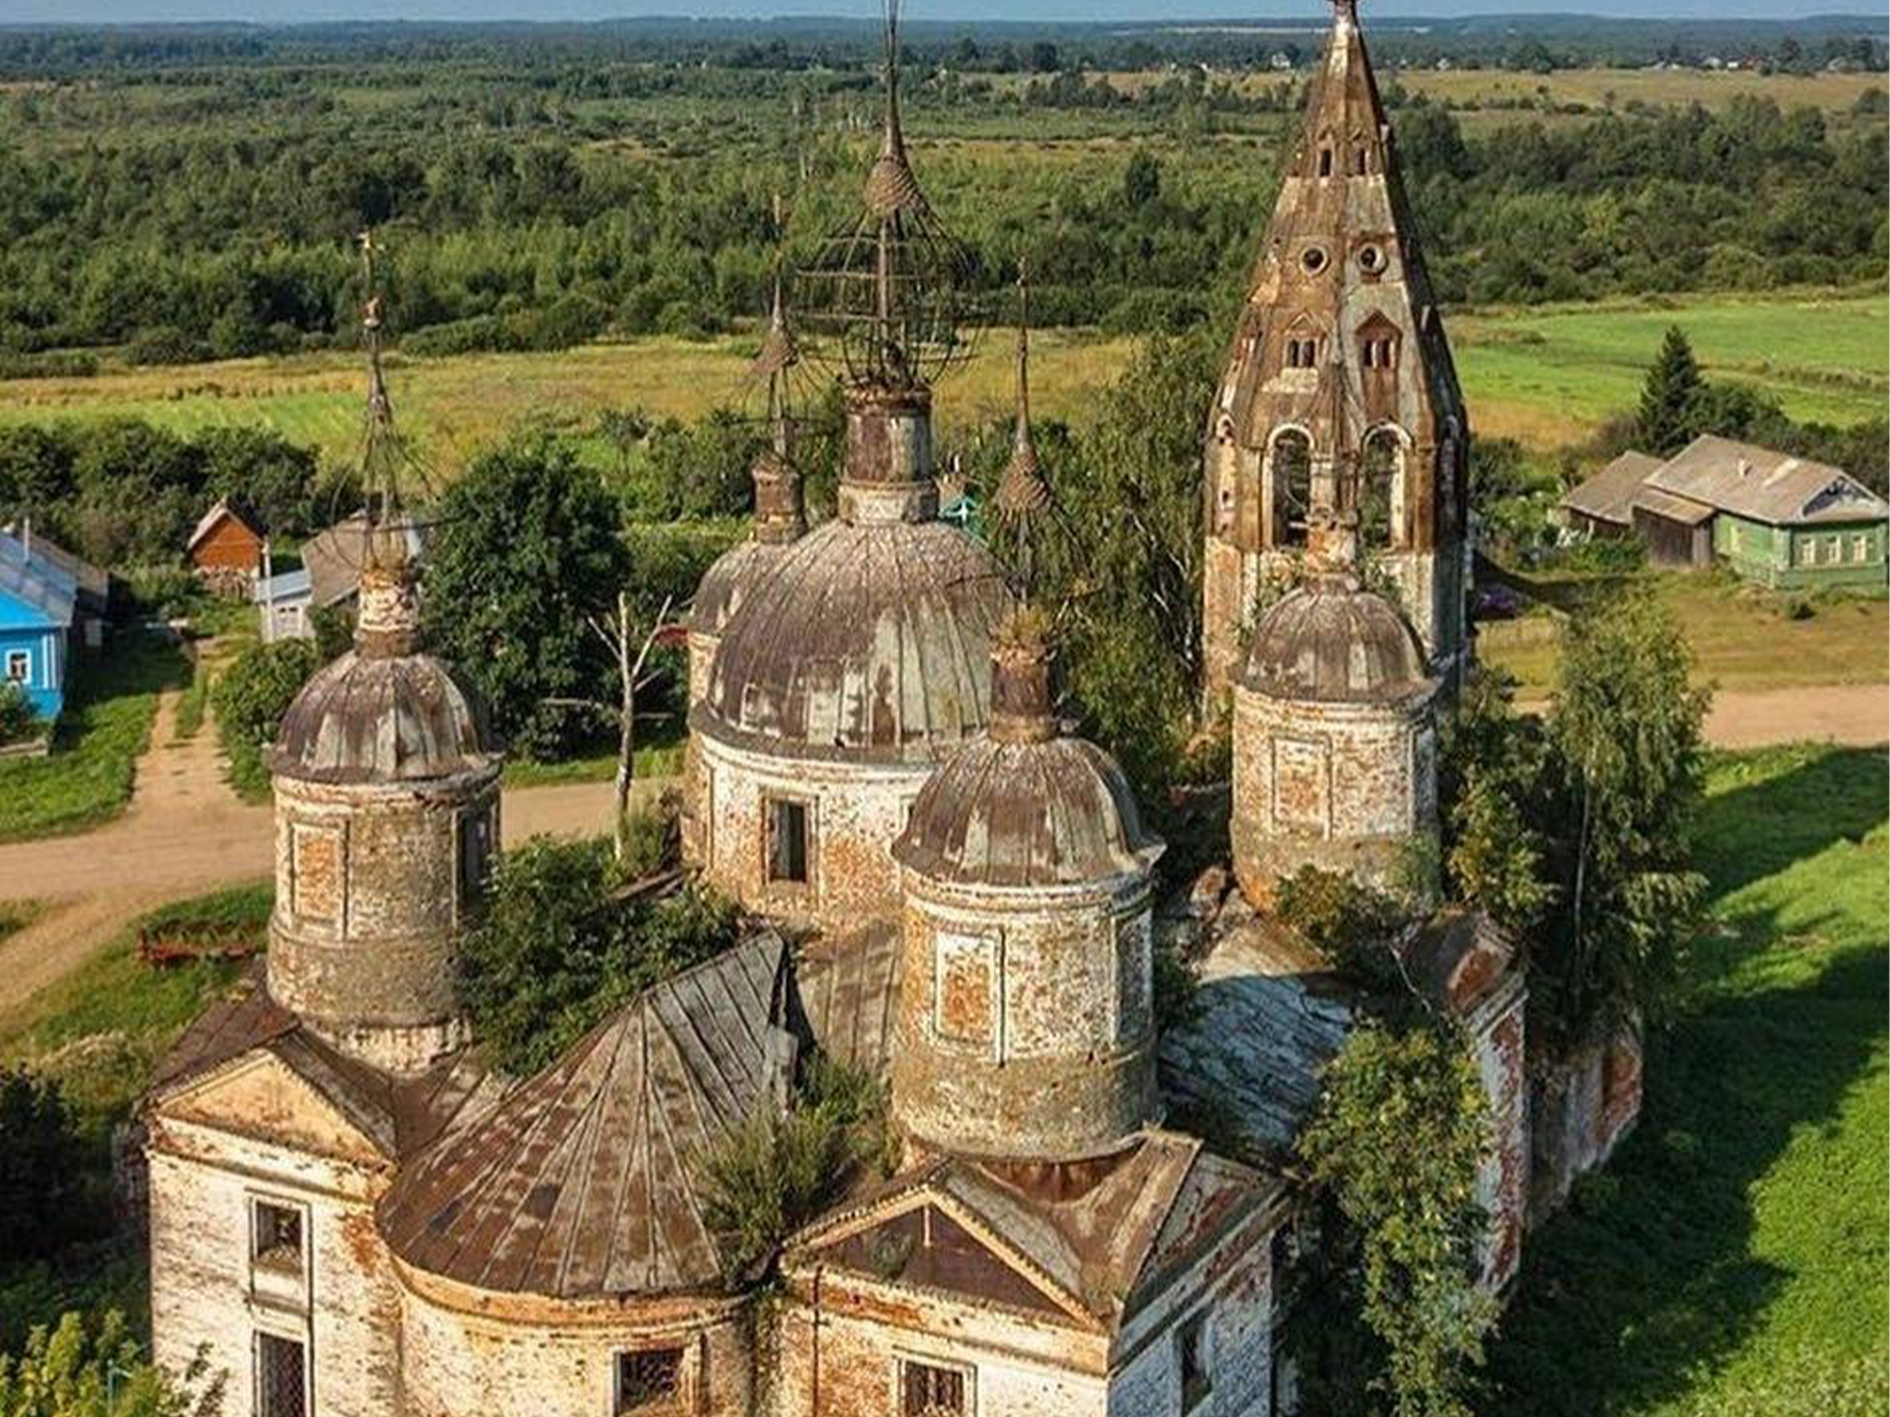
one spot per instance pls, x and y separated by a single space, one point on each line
1023 495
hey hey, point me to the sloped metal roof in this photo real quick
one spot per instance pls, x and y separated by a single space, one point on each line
1609 494
847 990
36 582
584 1182
1764 484
374 718
1330 641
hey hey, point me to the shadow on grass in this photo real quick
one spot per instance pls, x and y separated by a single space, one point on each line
1650 1278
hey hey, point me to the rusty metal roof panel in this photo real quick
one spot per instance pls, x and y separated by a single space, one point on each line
1023 814
727 584
847 991
368 718
864 643
1264 1030
1328 642
583 1181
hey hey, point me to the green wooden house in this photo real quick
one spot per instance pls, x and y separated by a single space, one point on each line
1780 520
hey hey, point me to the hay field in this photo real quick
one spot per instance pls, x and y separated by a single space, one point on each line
1546 376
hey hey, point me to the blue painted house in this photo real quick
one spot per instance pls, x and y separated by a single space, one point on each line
37 599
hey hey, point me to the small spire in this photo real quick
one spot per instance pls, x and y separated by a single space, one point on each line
387 620
1023 678
891 186
1023 495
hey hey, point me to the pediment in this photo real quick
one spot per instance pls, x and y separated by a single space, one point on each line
260 1096
926 1238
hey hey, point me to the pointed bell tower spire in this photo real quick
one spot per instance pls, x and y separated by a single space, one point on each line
1340 361
1023 498
387 621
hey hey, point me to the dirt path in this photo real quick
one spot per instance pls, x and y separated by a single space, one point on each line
1856 715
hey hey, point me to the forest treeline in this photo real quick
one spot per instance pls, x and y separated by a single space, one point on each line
531 226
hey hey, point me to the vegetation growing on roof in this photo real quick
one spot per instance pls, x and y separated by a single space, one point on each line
568 937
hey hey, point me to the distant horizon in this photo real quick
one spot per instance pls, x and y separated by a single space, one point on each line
286 13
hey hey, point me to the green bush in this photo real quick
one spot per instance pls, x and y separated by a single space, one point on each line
250 697
44 1203
18 721
1351 923
76 1369
559 948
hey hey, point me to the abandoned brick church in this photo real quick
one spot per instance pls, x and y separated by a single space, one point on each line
354 1217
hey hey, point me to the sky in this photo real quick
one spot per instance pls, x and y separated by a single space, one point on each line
296 11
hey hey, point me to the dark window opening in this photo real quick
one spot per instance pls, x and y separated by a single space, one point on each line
928 1391
1359 161
281 1376
1325 162
475 855
1378 466
1195 1383
1302 353
1292 487
649 1380
276 1239
787 841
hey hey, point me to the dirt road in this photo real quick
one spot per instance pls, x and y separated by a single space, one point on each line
1856 715
185 832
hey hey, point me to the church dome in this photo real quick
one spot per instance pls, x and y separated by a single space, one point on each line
868 642
1331 641
1025 805
368 718
384 712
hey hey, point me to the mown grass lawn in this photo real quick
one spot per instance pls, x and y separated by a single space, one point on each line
87 778
1743 637
1732 1260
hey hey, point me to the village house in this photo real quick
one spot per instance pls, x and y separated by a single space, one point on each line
288 601
38 603
1783 521
353 1216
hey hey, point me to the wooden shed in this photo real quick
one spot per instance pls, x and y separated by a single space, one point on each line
1678 533
228 538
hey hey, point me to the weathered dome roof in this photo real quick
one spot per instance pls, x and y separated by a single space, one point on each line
1020 814
725 585
865 643
383 718
1333 642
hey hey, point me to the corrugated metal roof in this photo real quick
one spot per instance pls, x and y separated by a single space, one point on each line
848 993
89 580
1764 484
37 582
282 587
584 1182
1609 494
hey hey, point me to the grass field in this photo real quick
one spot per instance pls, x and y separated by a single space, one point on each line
87 778
1543 375
1732 1259
1742 637
1547 376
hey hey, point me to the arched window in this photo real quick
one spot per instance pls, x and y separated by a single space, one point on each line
1381 470
1289 462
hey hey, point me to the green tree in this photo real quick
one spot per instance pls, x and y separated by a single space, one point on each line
1626 726
526 553
78 1369
43 1200
1386 1315
561 946
1670 397
252 694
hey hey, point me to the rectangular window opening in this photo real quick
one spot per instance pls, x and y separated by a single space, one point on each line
19 665
1195 1384
928 1390
281 1377
649 1380
787 841
276 1235
1325 162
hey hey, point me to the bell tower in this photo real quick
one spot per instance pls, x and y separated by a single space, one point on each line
1340 358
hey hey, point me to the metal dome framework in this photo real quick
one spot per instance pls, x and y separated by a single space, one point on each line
887 297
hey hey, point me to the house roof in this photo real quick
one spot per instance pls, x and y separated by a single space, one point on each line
587 1180
225 508
1764 484
847 990
282 587
36 582
1609 495
1672 508
1092 1239
333 557
92 582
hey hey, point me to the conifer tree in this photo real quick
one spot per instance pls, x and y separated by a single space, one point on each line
1670 398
